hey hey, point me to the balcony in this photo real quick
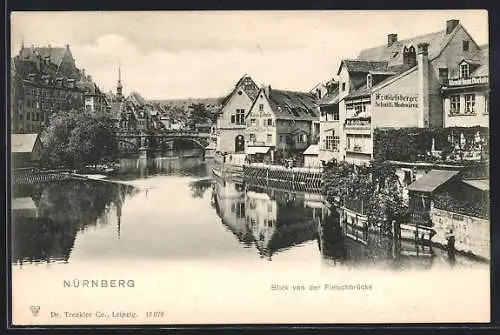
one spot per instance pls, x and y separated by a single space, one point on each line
362 123
458 82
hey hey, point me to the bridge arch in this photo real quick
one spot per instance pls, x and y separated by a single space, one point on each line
127 146
197 142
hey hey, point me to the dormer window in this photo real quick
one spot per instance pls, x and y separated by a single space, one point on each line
464 70
369 81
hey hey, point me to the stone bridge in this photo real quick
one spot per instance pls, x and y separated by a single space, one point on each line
145 142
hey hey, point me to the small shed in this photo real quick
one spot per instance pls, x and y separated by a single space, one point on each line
26 150
311 156
421 193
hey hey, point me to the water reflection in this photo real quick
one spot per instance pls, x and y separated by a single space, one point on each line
347 244
272 221
47 217
134 168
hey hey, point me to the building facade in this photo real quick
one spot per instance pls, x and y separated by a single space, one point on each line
45 80
231 121
281 122
466 94
399 85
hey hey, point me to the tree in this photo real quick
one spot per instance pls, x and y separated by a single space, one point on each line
78 138
199 114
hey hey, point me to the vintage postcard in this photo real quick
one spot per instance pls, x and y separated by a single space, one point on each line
243 167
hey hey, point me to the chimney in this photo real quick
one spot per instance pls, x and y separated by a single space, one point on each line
267 89
391 38
423 84
450 25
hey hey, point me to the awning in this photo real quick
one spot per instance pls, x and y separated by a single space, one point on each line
257 150
313 149
432 180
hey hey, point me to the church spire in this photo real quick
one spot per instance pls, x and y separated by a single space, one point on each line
119 85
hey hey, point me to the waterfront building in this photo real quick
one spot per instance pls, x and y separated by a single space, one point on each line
26 150
281 123
398 85
231 121
330 125
44 82
465 92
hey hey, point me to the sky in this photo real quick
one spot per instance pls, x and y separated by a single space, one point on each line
201 54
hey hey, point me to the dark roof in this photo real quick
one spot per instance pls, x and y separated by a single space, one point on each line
394 53
89 87
432 180
247 84
330 98
361 91
56 54
363 66
293 105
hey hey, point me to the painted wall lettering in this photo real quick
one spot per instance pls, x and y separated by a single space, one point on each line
396 100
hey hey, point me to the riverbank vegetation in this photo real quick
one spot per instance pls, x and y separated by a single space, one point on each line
372 190
75 139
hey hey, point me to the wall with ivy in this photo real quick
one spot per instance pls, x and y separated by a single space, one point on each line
415 144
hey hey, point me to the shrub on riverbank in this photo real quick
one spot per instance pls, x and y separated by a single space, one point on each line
370 190
78 138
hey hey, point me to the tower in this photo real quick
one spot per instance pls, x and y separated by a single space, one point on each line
119 85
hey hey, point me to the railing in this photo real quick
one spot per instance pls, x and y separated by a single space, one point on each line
356 205
420 218
467 81
358 122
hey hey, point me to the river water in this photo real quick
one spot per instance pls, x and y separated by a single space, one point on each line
166 220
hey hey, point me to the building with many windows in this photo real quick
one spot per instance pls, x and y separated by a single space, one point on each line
230 129
466 94
399 85
44 81
281 122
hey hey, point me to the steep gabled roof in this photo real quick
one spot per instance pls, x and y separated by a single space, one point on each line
293 105
245 83
394 53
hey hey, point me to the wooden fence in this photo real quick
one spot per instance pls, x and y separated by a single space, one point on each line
297 179
33 176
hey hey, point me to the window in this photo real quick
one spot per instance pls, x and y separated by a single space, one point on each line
443 73
251 137
336 115
302 138
464 70
240 116
28 116
233 118
269 138
465 45
470 103
455 104
368 81
282 138
269 122
486 104
252 122
332 142
20 117
343 87
261 107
